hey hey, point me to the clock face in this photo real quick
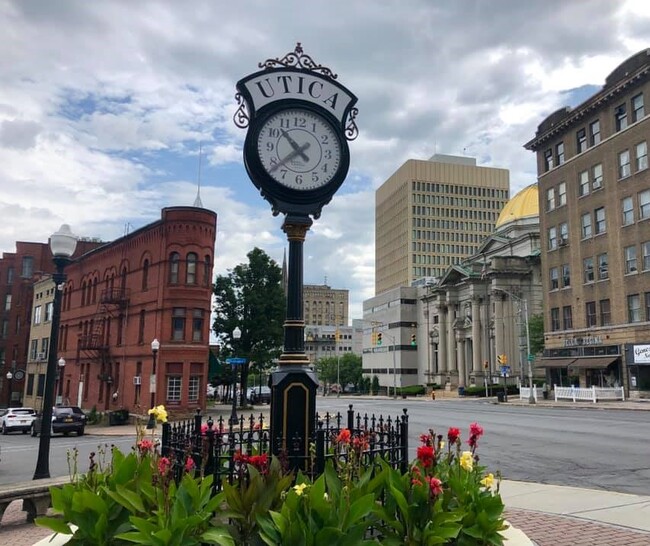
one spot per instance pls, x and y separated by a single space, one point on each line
299 149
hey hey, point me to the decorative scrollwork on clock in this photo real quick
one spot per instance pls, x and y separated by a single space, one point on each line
298 59
241 117
351 129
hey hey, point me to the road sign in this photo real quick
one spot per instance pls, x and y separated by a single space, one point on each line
235 361
505 370
531 358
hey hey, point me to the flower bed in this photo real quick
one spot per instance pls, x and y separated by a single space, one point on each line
444 497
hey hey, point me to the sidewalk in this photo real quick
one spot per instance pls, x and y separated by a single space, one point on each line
548 515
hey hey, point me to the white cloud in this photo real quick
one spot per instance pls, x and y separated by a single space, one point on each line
103 106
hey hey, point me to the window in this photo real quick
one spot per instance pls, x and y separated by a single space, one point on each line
644 204
603 271
559 153
624 164
548 160
637 107
141 327
628 211
8 302
605 313
178 324
207 266
594 132
561 193
567 317
174 383
550 199
45 346
554 278
621 117
5 328
28 267
193 388
599 220
645 254
633 308
33 349
174 260
10 275
555 319
145 275
197 325
597 176
629 252
581 138
641 156
190 275
590 313
586 225
37 314
588 266
552 238
564 233
583 183
49 308
566 275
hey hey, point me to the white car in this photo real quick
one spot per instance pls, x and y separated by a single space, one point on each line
17 419
212 391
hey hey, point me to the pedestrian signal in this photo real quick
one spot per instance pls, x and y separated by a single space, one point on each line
379 338
414 340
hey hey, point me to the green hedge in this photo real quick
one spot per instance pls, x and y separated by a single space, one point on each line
412 390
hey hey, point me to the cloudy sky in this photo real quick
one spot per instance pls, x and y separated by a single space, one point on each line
104 104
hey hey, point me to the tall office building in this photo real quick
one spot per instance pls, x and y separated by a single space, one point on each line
433 214
594 188
324 305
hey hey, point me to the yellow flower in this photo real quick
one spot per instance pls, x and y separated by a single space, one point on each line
467 461
299 489
160 413
488 480
442 445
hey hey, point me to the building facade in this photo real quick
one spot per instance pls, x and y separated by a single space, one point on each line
432 214
450 332
324 305
154 283
594 183
332 341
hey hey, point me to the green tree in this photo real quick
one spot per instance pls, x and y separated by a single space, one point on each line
348 368
251 298
536 329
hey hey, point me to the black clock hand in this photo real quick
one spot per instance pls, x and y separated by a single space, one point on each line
298 151
294 145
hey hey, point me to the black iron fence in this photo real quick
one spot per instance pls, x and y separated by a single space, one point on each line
218 447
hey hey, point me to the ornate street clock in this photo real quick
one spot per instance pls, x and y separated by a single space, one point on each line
299 120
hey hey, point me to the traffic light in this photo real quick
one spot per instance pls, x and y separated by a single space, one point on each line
414 340
373 338
486 364
379 338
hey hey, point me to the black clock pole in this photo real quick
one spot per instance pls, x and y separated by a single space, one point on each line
294 383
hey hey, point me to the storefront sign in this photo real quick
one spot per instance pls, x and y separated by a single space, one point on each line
582 341
642 354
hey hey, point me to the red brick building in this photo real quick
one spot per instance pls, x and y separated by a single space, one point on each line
18 272
154 283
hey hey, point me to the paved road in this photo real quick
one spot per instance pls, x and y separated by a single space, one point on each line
593 448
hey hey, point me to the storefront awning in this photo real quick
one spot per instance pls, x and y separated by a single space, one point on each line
593 363
555 362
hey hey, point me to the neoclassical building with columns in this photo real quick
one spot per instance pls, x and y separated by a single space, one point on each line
474 312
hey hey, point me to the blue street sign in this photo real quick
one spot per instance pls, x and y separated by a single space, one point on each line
505 370
235 361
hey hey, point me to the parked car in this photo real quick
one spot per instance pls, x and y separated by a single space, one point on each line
211 391
259 395
16 419
65 419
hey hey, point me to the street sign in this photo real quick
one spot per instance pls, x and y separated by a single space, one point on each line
235 361
505 370
531 358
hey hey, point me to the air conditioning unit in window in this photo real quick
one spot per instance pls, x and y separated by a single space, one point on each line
40 356
137 380
564 242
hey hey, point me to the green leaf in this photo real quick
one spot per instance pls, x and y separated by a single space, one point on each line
217 535
55 524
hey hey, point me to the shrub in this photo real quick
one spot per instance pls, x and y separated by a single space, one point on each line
412 390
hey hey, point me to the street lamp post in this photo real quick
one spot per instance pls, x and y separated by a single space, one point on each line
10 377
523 303
155 347
236 335
62 245
61 363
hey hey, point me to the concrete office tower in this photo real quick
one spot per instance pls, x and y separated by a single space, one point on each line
594 189
433 214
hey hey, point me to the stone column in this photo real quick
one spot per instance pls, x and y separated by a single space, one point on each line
451 339
442 346
499 341
461 362
477 365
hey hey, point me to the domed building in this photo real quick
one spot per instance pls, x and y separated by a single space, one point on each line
475 317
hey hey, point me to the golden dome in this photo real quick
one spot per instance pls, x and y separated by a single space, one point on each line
523 205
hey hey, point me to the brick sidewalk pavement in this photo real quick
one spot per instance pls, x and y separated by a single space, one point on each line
553 530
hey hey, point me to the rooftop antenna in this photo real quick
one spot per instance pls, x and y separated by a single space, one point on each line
197 202
325 280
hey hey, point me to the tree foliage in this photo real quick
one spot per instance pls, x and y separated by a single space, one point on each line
348 367
536 329
251 298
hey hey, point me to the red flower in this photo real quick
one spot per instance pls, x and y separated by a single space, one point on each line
343 437
425 439
475 430
259 461
360 443
145 445
189 464
415 481
240 457
435 486
452 435
425 455
164 465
